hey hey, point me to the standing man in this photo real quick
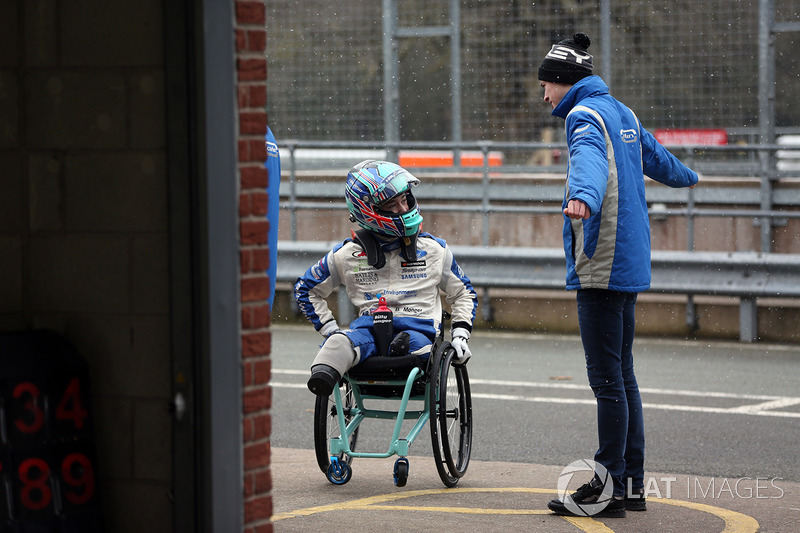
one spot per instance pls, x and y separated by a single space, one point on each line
607 247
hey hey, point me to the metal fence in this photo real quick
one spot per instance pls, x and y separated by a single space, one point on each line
466 69
352 77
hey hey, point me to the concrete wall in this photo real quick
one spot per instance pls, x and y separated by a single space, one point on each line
83 223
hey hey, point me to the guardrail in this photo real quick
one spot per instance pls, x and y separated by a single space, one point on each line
746 275
750 177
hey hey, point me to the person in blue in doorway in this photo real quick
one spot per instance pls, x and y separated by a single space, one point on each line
273 165
387 257
607 246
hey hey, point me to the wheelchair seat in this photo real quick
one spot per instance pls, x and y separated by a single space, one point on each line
373 374
383 367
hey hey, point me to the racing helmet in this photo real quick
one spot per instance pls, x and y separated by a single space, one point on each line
371 184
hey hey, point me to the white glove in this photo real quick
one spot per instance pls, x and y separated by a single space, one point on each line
460 336
329 328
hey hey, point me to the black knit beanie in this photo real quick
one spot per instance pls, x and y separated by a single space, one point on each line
567 62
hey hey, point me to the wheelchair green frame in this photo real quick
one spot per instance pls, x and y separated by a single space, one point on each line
448 408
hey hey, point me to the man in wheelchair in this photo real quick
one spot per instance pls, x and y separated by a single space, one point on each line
388 257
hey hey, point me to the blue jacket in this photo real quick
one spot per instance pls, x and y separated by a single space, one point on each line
609 154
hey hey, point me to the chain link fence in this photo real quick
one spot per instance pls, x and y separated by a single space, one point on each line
677 63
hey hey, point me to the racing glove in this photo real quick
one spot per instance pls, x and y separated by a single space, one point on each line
329 328
460 336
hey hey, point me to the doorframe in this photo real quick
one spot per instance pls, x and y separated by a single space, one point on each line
204 265
223 394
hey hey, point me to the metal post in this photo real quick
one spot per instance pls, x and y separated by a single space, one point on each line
690 205
293 188
766 113
486 305
605 41
391 83
485 190
692 320
455 74
748 319
293 305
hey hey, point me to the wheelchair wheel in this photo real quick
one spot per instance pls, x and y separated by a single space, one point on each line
339 473
326 426
451 416
400 472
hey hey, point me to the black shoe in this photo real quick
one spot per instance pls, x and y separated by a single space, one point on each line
323 379
585 498
636 500
400 344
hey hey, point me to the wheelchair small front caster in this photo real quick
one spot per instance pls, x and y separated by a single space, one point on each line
401 472
339 472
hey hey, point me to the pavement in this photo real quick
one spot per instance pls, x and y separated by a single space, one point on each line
504 497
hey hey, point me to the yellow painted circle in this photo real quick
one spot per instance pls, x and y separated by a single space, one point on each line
734 522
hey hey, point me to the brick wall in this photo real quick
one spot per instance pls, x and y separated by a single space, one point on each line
251 68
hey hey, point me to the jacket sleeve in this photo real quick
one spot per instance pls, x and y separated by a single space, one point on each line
459 292
588 160
659 164
311 289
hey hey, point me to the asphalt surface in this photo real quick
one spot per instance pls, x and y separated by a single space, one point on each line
722 422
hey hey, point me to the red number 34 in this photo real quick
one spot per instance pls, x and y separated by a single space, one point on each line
69 408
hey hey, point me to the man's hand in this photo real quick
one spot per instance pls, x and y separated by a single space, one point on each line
329 328
460 336
576 209
699 177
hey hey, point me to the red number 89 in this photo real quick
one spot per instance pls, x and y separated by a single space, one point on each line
76 472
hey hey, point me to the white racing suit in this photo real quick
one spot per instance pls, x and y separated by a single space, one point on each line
411 290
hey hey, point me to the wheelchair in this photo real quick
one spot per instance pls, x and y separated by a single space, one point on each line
440 383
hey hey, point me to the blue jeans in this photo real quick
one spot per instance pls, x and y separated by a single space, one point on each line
607 325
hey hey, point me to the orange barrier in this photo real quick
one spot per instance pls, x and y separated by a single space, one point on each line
697 136
445 158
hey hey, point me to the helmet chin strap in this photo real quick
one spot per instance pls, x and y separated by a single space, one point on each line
408 247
